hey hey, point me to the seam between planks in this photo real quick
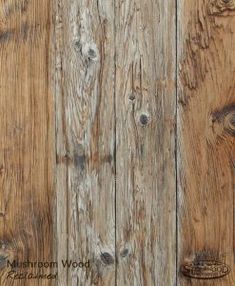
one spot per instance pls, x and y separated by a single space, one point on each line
115 142
176 140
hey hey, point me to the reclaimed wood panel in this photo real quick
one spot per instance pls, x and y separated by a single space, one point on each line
85 135
206 129
145 142
117 140
26 137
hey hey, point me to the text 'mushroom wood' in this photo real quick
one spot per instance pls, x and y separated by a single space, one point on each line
206 125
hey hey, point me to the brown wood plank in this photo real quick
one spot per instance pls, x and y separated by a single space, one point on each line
85 140
145 107
26 137
206 129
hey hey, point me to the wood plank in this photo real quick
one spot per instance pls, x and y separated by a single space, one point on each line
26 137
145 107
206 129
85 140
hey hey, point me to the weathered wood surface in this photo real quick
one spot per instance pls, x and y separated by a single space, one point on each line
26 135
145 138
117 139
206 129
85 140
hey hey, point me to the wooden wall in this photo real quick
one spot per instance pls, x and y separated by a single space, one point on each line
117 127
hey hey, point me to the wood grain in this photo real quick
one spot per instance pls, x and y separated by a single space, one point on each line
145 129
85 140
206 112
26 135
117 139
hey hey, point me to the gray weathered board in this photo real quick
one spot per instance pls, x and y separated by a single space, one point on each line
117 142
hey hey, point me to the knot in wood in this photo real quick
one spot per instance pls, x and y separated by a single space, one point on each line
132 96
229 122
90 52
2 261
225 119
106 258
228 4
124 252
144 119
77 45
221 7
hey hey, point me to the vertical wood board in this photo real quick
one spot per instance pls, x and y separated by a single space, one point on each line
206 112
85 140
145 139
26 136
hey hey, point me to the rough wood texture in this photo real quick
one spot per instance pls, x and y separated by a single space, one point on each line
88 105
145 114
85 140
206 129
26 135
